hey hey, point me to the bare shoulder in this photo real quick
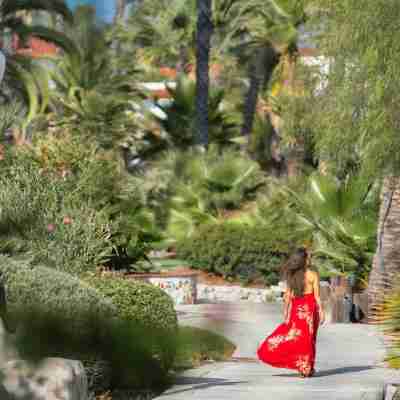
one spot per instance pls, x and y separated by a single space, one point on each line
312 274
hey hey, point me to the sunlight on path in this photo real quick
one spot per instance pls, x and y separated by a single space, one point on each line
348 360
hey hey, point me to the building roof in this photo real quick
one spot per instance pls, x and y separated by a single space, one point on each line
34 47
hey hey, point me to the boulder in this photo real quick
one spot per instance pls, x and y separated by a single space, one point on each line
52 379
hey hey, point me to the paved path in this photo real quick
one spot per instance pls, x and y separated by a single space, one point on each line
348 360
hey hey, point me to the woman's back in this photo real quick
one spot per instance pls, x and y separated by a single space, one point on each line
309 281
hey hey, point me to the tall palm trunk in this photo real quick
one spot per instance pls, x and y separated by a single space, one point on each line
261 69
203 39
119 10
386 263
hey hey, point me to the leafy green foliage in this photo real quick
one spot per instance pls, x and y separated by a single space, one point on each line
41 215
181 116
341 219
236 250
59 315
56 292
22 73
142 305
197 345
162 31
137 301
71 207
10 115
205 185
356 113
93 100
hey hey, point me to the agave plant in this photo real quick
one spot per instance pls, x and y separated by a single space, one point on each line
22 72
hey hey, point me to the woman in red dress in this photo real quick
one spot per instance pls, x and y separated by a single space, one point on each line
292 344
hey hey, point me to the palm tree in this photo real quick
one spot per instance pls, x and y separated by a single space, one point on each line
181 115
261 68
385 267
91 98
270 31
119 9
22 73
340 218
163 32
203 43
205 186
260 22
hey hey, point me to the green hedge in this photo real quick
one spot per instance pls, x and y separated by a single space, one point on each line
148 310
57 314
235 250
57 293
137 301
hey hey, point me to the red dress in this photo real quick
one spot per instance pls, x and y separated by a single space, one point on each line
292 344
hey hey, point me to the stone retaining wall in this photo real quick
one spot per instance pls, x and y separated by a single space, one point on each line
184 288
234 294
181 287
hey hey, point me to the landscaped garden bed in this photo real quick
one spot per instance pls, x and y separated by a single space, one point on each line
228 169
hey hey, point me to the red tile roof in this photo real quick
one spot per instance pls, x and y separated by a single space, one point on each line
34 47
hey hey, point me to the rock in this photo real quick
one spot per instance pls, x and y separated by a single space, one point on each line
52 379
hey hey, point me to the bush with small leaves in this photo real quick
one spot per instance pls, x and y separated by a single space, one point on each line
235 250
147 307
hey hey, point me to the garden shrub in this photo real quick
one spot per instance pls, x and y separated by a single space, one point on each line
28 287
71 207
137 301
42 215
57 314
149 309
235 250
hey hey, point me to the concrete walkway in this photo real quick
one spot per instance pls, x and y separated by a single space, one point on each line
349 360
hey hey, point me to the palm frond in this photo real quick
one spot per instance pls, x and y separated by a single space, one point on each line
47 34
26 81
11 7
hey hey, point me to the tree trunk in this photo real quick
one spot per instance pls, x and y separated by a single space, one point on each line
386 263
261 69
119 10
203 41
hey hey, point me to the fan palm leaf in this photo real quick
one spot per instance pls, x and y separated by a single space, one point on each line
335 214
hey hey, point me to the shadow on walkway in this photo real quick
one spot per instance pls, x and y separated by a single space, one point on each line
334 371
200 383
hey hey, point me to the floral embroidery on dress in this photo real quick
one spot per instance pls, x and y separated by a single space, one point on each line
274 342
292 344
293 334
303 364
303 312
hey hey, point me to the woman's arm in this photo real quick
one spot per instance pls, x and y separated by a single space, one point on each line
287 299
318 297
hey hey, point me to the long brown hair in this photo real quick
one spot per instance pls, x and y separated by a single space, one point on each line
294 270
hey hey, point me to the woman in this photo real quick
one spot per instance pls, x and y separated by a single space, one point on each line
292 344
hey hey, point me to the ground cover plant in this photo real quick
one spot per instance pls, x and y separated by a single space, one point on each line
199 345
